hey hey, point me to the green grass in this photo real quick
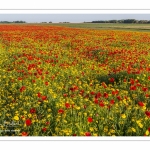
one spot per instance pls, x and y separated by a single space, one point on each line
105 26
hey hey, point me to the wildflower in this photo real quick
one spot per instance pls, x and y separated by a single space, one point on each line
140 104
46 83
61 111
44 98
28 122
98 95
105 95
96 101
65 95
90 119
147 132
115 92
16 118
111 79
24 133
22 88
112 101
133 129
67 105
144 89
87 134
123 116
119 98
44 129
132 88
74 134
147 113
39 94
92 93
47 123
32 110
101 104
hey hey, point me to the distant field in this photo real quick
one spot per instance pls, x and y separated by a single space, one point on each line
99 26
110 26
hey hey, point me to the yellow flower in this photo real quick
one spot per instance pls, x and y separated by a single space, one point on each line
105 129
49 110
147 132
112 131
140 125
78 108
16 118
95 134
123 116
29 115
133 129
85 114
91 129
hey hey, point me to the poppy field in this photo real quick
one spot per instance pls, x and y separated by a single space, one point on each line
61 81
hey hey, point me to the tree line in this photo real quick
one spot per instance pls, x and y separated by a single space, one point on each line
12 22
122 21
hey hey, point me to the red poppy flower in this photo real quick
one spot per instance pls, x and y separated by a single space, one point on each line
39 94
71 89
28 122
108 107
115 92
44 98
147 113
87 134
112 80
24 133
61 111
44 129
32 110
65 95
119 98
105 95
138 84
101 104
104 85
90 119
131 81
46 83
19 78
124 80
47 123
132 88
144 89
149 129
67 105
141 104
96 101
85 106
33 81
74 134
92 93
112 101
22 88
98 95
146 95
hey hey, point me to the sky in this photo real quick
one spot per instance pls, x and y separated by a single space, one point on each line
73 18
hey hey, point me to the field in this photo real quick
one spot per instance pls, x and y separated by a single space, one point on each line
106 26
74 80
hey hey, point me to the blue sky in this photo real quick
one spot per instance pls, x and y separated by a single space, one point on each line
74 18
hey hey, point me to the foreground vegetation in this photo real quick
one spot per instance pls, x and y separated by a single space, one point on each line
60 81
